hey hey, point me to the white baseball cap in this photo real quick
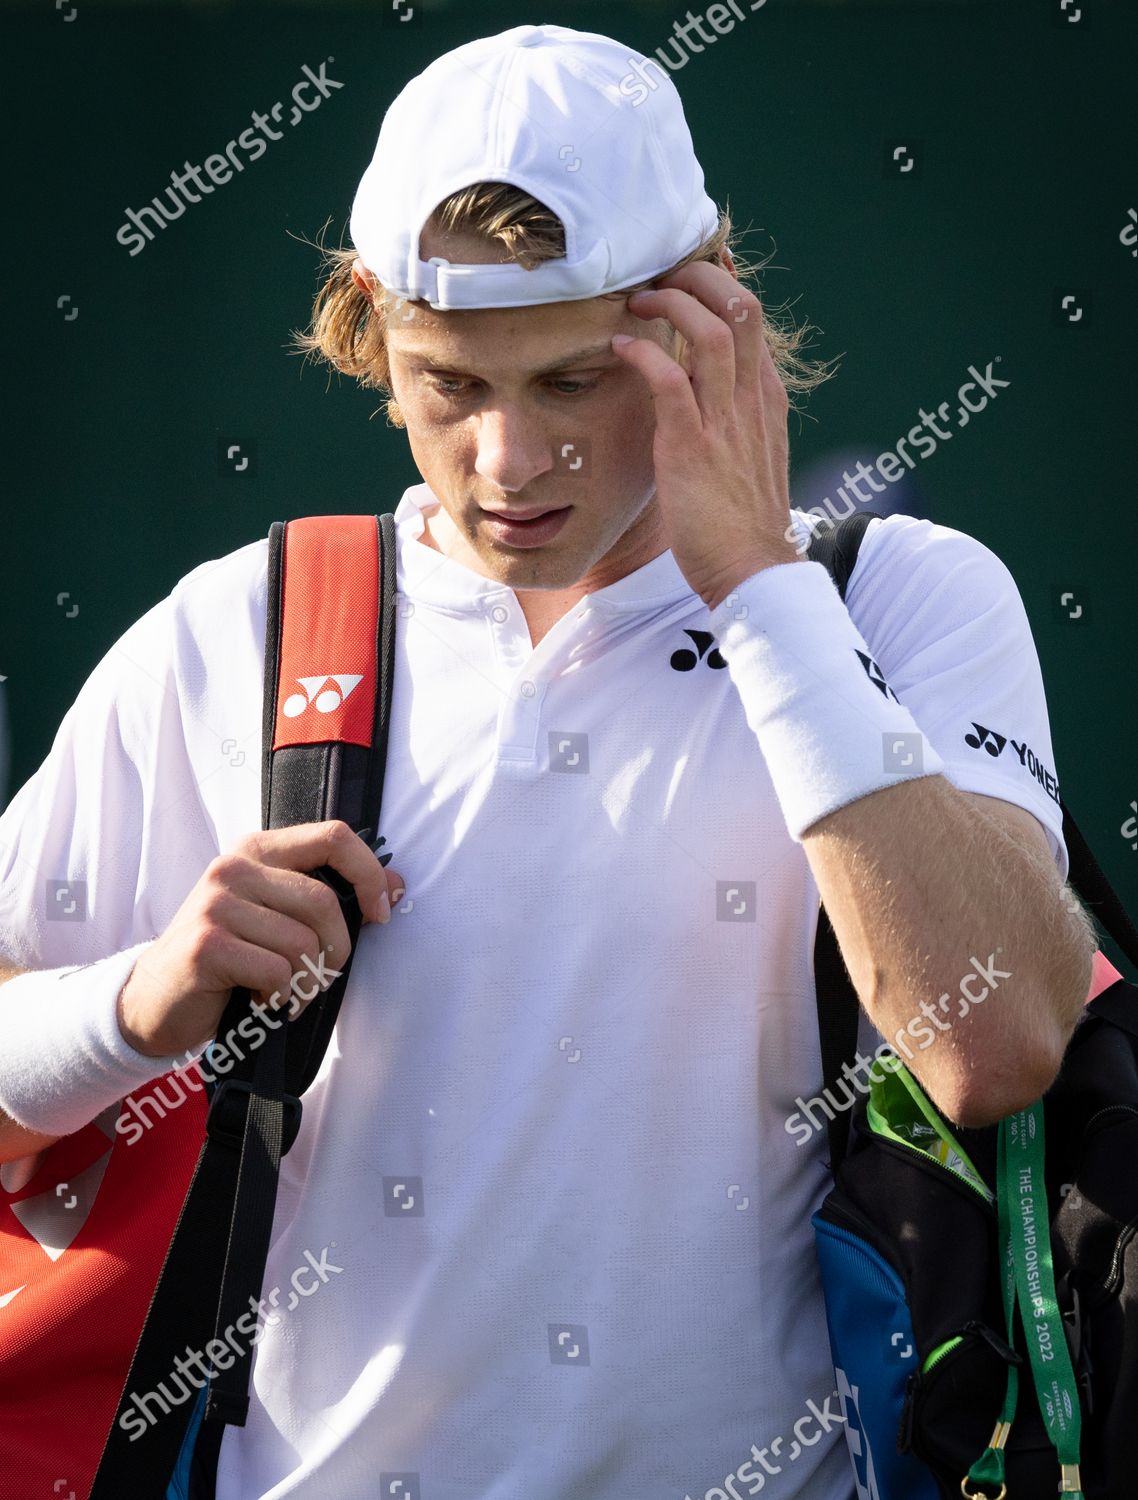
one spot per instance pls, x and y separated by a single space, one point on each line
550 110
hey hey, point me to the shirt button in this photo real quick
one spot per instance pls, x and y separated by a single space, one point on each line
500 613
528 689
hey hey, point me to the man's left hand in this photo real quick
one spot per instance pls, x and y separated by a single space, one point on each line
720 448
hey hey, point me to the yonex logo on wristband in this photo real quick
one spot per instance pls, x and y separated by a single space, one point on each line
324 693
875 675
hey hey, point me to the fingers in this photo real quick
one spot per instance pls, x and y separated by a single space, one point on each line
396 886
267 975
309 846
293 939
677 411
711 345
722 322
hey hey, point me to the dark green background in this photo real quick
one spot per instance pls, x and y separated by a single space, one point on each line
1025 123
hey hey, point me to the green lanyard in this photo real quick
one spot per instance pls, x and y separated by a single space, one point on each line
1028 1273
989 1467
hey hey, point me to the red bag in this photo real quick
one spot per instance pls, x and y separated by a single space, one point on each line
82 1241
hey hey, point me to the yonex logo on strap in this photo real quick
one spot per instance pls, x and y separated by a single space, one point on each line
324 693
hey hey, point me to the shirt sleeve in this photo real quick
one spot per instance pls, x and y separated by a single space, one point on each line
945 621
104 842
100 848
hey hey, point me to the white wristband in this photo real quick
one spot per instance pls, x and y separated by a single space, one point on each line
828 724
63 1059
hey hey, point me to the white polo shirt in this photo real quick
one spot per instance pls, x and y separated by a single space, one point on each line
547 1151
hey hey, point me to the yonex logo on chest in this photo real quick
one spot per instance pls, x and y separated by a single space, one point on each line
685 659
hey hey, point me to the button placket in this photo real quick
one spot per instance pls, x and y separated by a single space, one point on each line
519 721
511 644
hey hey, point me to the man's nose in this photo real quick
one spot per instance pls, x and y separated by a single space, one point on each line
512 450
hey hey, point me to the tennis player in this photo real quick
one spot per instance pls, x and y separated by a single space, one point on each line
636 735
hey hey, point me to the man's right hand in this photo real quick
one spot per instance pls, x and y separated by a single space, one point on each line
251 920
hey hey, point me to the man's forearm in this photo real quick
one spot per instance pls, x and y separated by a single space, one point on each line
15 1141
924 890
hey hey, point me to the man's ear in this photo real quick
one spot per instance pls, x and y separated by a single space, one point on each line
364 280
727 260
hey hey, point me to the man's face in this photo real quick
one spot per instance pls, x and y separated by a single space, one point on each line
488 419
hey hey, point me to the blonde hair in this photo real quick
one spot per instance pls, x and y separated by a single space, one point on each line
348 330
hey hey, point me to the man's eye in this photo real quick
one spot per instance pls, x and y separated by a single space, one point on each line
575 385
449 386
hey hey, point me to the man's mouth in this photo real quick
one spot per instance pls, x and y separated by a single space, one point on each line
521 515
526 528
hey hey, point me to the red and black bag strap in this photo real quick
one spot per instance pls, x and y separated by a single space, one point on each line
341 582
329 670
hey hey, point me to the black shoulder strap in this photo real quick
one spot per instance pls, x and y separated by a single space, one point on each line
216 1259
838 1006
1095 890
836 999
837 547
